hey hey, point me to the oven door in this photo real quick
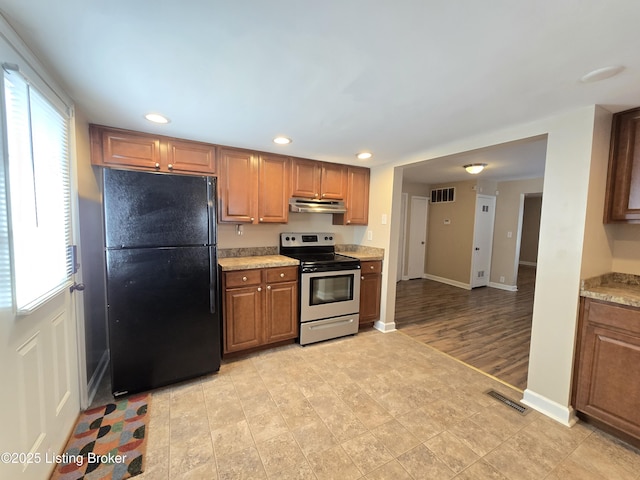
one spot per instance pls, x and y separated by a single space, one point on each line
329 294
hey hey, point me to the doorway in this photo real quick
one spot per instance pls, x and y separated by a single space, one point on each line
417 236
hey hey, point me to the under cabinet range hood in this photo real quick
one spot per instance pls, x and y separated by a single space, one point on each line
307 205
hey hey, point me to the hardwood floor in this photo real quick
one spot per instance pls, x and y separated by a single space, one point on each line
487 328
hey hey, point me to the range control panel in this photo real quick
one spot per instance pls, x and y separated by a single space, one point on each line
298 239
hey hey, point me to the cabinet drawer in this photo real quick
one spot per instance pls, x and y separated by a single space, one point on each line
371 267
282 274
619 317
242 278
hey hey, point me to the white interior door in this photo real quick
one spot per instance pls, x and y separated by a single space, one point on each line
417 236
38 346
482 240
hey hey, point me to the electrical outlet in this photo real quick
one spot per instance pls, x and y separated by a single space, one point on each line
501 279
369 235
509 234
384 219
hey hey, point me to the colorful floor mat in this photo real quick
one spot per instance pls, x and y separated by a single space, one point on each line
108 442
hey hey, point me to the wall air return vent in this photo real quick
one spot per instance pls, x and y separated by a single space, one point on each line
443 195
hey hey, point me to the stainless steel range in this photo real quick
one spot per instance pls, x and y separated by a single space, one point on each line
329 286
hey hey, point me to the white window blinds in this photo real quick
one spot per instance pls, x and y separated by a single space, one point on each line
39 195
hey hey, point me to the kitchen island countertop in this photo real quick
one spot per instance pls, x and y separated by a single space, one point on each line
259 261
621 288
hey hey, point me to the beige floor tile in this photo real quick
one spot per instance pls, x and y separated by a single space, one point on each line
158 434
186 456
605 455
481 470
395 437
258 404
224 413
267 425
156 464
280 453
389 471
423 464
531 443
314 437
474 436
454 453
313 384
327 404
298 413
513 465
421 424
232 438
500 421
208 471
333 464
189 424
299 472
571 470
367 452
243 465
343 424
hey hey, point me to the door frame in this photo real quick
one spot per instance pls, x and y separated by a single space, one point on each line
403 237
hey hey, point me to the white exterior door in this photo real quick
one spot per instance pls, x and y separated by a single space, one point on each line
417 236
482 240
38 346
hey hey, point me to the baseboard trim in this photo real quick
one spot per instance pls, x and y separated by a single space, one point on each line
384 327
447 281
96 378
565 415
528 264
502 286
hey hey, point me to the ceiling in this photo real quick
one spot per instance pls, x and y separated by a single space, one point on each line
338 77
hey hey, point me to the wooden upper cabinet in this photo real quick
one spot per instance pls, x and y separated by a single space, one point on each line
191 157
311 179
112 147
357 198
622 200
117 148
333 182
273 188
238 186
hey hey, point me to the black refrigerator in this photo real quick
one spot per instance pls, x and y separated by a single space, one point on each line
160 239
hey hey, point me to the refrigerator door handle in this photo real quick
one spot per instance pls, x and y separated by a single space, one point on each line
213 276
211 207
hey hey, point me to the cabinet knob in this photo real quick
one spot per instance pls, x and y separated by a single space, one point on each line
170 166
157 166
252 219
371 267
282 275
362 278
268 287
259 289
348 221
324 195
315 194
261 219
244 279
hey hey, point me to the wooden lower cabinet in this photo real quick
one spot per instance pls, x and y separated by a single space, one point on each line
606 386
260 307
370 289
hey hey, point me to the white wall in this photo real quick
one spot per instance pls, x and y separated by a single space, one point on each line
569 157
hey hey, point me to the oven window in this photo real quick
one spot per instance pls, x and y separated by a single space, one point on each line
331 289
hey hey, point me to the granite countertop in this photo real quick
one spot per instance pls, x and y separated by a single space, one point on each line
360 252
621 288
228 264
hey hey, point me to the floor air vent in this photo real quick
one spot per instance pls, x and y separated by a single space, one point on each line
518 407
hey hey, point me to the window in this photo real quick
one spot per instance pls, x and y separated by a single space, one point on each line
39 195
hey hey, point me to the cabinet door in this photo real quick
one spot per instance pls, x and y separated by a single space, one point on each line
623 182
273 189
305 178
334 181
191 157
609 368
370 291
122 149
357 196
281 314
238 186
242 318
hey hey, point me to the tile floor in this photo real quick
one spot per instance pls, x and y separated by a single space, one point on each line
374 406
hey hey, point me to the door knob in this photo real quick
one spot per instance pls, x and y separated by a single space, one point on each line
76 286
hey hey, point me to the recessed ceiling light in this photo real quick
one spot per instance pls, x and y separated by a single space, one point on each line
364 155
474 168
282 140
156 118
601 74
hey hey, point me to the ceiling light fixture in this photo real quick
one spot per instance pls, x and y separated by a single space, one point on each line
156 118
601 74
364 155
475 168
282 140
